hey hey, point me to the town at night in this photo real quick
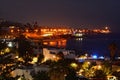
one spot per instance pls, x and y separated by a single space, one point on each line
59 40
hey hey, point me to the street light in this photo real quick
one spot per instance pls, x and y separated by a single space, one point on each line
74 65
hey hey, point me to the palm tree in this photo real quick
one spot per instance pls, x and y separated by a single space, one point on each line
112 48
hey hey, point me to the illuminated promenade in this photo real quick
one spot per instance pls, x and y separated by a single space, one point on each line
46 32
43 32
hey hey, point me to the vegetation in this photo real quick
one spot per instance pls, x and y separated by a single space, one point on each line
7 64
112 48
24 49
40 58
117 74
67 69
100 74
41 75
61 69
71 75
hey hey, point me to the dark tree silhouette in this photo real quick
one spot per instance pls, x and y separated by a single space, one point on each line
41 75
60 68
112 48
40 58
2 45
117 74
5 61
100 74
71 75
24 49
35 25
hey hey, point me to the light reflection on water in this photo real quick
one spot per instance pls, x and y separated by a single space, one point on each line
61 43
96 45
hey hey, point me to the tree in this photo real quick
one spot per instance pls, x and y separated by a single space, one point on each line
88 69
24 49
117 74
41 75
59 69
112 48
40 58
100 74
107 67
28 25
35 25
7 64
3 45
71 75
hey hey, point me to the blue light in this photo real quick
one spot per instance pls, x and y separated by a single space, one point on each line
81 60
101 57
94 56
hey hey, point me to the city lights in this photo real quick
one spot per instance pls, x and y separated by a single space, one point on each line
74 65
59 39
94 56
10 44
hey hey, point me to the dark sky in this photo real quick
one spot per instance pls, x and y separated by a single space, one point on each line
63 12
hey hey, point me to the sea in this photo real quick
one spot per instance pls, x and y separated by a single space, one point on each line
94 45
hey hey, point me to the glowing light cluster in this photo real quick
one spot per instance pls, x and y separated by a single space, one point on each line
74 65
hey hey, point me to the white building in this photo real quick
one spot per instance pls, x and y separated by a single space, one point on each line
50 54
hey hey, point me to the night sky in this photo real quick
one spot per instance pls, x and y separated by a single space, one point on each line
75 13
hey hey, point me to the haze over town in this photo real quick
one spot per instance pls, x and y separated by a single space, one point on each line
75 13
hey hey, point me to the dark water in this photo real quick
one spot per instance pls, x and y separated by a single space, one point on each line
97 45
